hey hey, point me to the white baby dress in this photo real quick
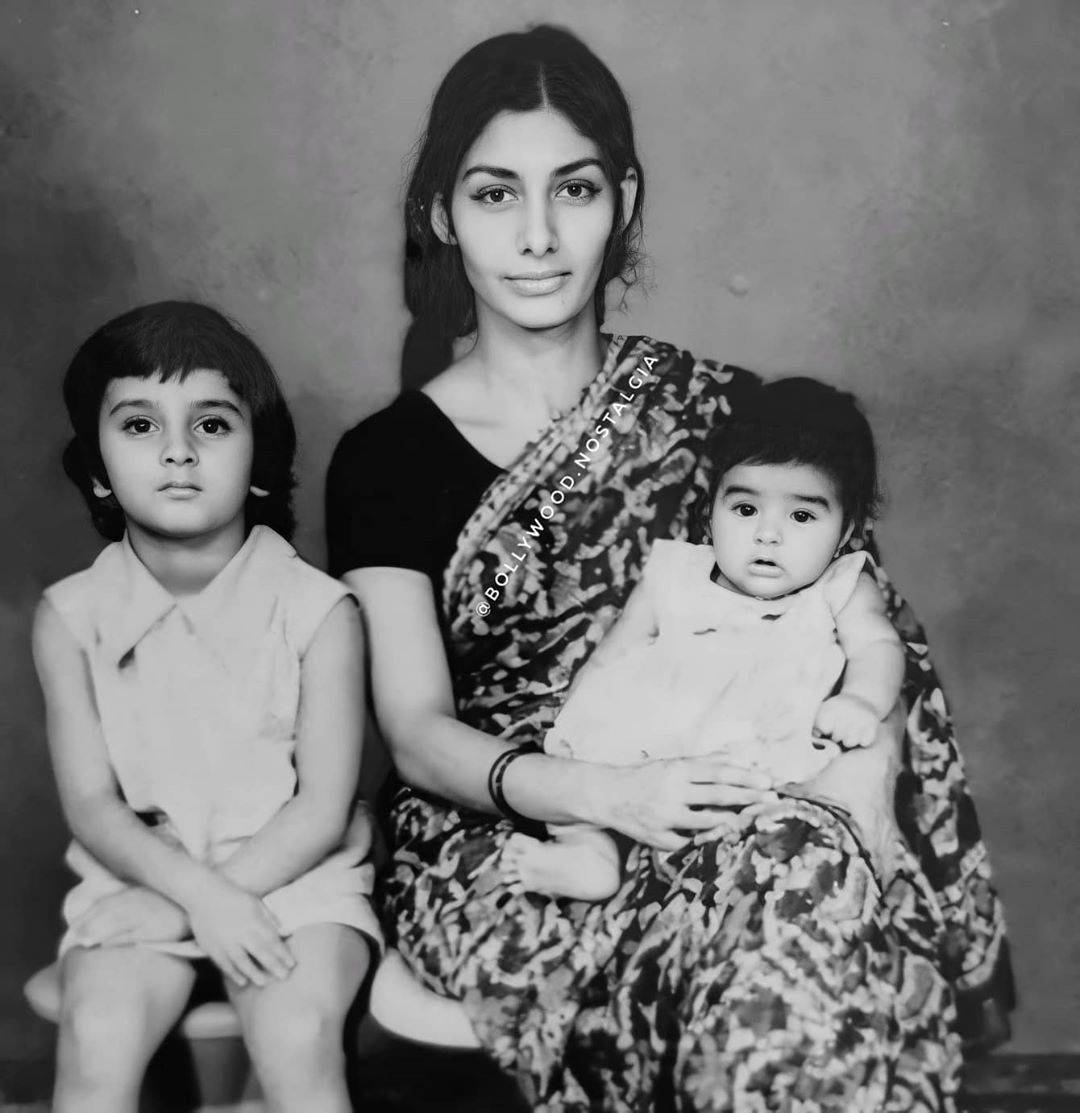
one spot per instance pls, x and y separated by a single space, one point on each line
726 673
198 701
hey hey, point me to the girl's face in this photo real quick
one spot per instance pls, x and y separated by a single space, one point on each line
776 527
177 455
531 213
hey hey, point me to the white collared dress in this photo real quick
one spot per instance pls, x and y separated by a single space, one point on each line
726 673
198 701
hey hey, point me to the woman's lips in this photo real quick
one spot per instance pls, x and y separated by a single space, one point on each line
537 285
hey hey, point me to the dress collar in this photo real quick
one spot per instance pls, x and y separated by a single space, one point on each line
133 602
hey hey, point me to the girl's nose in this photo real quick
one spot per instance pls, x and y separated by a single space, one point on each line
537 234
767 532
178 449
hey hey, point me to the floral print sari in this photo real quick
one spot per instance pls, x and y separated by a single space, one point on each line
770 968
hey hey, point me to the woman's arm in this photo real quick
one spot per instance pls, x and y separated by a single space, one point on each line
432 750
232 926
874 671
329 737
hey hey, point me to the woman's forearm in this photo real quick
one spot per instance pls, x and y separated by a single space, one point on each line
441 755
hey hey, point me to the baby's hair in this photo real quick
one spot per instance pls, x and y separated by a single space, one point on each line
172 339
802 421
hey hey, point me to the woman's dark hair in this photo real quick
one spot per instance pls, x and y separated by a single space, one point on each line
172 339
518 72
802 421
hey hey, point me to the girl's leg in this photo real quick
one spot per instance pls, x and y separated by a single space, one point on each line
116 1006
293 1028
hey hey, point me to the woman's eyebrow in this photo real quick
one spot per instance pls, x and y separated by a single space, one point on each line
504 172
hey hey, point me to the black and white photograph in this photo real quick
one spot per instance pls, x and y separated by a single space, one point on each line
541 567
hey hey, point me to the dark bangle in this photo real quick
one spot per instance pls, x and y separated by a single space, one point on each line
495 784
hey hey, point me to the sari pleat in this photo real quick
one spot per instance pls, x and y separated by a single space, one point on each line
770 968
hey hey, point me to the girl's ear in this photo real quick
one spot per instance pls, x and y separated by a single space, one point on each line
258 492
99 489
440 221
628 189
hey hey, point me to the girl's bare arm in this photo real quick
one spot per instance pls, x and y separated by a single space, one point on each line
329 738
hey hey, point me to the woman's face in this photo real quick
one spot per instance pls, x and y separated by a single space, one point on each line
531 213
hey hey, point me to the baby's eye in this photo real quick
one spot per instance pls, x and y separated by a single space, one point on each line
580 190
744 510
138 425
214 426
802 516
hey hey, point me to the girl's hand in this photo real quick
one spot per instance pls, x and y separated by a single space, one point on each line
239 934
134 915
663 803
847 720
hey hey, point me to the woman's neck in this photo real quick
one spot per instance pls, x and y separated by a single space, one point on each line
539 374
184 566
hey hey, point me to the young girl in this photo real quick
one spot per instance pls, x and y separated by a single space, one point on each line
202 689
738 647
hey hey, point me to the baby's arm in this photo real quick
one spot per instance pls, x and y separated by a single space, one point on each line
231 926
874 672
328 744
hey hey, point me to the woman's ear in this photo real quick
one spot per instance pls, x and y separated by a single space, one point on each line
628 191
440 221
99 488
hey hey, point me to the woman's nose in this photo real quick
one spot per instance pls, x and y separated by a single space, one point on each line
178 449
537 235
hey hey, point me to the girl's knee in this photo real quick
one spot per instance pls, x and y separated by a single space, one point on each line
283 1039
99 1036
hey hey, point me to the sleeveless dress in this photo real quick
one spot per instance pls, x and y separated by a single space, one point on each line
726 673
198 701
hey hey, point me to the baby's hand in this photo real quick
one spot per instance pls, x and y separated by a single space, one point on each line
848 720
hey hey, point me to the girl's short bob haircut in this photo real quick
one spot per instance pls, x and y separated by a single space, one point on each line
803 421
172 339
518 72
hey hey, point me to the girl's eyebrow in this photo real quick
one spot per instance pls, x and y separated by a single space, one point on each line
200 404
558 172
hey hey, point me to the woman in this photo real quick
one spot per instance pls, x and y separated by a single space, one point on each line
493 525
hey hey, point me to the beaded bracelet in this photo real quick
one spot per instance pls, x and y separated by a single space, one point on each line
495 784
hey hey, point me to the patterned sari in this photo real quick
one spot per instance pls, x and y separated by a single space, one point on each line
768 969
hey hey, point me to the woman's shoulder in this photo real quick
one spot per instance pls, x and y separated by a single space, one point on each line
410 420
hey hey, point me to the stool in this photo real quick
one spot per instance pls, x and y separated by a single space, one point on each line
203 1063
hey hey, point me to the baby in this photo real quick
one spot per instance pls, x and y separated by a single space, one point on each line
770 647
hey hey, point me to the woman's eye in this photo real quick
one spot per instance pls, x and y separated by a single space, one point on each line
214 426
580 190
802 516
138 425
493 195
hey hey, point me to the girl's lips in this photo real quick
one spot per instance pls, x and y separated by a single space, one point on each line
766 568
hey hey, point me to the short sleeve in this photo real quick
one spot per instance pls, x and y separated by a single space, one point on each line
840 579
378 508
311 596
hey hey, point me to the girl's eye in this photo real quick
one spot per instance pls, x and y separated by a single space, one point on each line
214 426
744 510
802 516
580 190
138 425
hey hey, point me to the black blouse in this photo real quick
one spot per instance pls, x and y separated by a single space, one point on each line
401 486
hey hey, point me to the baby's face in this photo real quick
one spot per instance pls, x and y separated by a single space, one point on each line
775 527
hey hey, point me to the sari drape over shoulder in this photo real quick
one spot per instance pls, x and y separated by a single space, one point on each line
769 966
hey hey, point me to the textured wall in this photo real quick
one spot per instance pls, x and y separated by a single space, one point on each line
882 192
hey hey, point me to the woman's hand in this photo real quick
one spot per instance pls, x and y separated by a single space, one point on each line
133 915
664 803
239 934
